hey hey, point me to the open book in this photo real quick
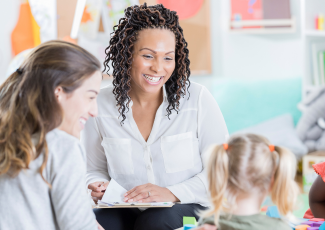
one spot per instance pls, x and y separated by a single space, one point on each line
114 195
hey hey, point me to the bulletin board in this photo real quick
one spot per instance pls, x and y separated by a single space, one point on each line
65 11
196 30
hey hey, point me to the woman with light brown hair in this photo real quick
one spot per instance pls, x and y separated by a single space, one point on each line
43 107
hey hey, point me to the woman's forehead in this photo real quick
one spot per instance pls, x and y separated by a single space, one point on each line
156 39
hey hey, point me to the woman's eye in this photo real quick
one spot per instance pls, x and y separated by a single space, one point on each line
168 59
147 56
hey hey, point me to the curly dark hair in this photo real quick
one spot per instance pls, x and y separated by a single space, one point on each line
119 52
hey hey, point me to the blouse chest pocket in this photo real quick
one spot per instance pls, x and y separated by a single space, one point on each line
118 152
178 152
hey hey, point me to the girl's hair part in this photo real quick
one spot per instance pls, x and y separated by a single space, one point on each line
28 106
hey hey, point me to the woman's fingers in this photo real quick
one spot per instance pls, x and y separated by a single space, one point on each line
98 195
142 195
130 191
103 186
150 199
134 192
95 186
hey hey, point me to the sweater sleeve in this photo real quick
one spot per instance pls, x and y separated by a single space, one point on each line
68 194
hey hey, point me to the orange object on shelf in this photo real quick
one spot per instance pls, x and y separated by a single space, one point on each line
26 33
321 22
86 16
316 23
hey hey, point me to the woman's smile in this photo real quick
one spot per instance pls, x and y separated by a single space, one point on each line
82 122
152 80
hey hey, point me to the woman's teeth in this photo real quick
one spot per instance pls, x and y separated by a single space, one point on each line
152 79
83 121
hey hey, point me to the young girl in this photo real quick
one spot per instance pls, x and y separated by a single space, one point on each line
241 174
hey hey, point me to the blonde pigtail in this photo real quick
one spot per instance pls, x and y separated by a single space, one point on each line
218 174
284 190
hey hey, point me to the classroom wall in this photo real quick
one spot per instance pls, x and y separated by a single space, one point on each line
8 19
254 56
233 55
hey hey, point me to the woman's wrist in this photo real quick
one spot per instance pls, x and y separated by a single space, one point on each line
173 197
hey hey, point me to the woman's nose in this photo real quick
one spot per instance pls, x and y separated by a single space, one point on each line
157 66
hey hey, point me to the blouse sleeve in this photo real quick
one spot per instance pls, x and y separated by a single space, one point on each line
212 129
96 159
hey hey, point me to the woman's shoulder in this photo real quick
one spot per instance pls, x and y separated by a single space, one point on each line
193 95
106 90
57 136
196 89
62 145
107 102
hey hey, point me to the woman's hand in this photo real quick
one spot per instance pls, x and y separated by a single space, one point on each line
206 227
99 226
157 194
97 190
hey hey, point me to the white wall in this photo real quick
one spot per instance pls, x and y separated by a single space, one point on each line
9 10
233 55
256 56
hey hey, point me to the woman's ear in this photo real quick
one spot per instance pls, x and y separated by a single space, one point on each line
58 92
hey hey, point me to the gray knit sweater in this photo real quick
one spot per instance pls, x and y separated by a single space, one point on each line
26 201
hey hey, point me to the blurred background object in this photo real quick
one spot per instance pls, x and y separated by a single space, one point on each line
262 60
256 72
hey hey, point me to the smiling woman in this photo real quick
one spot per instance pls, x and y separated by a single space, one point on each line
153 125
43 107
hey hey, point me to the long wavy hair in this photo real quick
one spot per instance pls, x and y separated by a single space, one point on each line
119 53
28 106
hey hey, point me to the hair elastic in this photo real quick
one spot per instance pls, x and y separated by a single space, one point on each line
225 146
19 71
271 147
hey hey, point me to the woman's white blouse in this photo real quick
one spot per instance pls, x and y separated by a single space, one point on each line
173 155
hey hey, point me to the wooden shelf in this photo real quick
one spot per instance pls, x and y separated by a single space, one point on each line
315 33
236 26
